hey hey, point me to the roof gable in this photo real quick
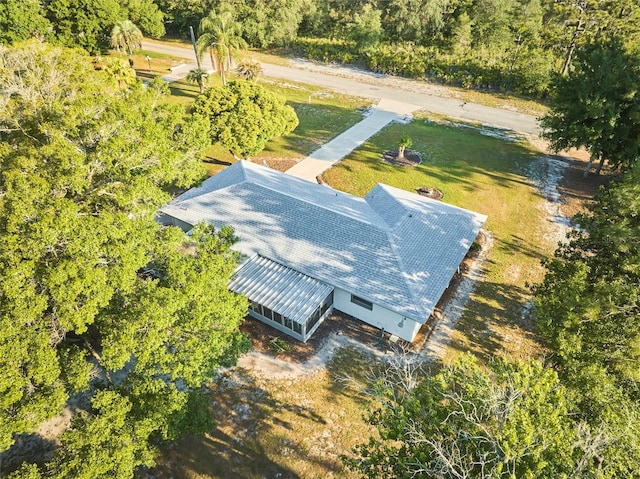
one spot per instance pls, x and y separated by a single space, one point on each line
394 248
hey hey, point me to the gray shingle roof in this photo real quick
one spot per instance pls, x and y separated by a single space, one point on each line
394 248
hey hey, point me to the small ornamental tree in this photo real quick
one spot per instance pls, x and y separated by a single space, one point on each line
250 70
198 76
404 143
244 116
126 36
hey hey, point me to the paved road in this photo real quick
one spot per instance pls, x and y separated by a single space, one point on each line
429 98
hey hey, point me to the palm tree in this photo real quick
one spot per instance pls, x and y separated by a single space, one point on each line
118 69
127 36
249 69
199 76
220 36
404 143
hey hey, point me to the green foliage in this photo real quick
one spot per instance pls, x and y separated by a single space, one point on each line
145 14
244 116
83 23
21 20
26 471
266 22
420 21
126 36
84 169
588 303
596 106
587 309
405 141
104 443
181 14
119 70
326 50
219 34
198 76
366 29
497 44
510 421
195 418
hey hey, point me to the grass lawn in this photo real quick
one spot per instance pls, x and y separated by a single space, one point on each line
322 115
483 174
287 428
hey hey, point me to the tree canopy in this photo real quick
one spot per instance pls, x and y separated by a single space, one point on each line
596 106
83 23
21 20
244 116
587 310
145 14
84 166
511 420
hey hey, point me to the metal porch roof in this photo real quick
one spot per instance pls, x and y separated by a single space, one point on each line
281 289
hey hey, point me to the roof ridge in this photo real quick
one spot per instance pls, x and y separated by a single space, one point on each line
396 252
377 219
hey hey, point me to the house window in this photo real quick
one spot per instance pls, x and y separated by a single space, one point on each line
313 319
256 307
327 304
297 327
362 302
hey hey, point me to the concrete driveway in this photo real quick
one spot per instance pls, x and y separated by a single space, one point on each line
330 153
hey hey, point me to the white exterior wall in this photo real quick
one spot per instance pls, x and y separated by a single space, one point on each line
379 317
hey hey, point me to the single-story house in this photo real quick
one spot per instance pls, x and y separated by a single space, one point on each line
385 259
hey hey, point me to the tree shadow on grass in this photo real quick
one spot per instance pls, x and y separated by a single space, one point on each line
497 321
257 434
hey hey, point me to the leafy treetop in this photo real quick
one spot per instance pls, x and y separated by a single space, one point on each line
84 167
244 116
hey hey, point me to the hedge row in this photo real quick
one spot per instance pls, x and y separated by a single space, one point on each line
530 76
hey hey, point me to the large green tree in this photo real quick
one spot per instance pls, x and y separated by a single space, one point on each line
83 23
596 106
84 167
588 305
511 420
21 20
588 310
244 116
146 15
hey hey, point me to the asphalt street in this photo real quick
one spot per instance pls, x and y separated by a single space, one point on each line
379 87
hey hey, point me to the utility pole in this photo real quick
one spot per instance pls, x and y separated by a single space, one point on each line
195 49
